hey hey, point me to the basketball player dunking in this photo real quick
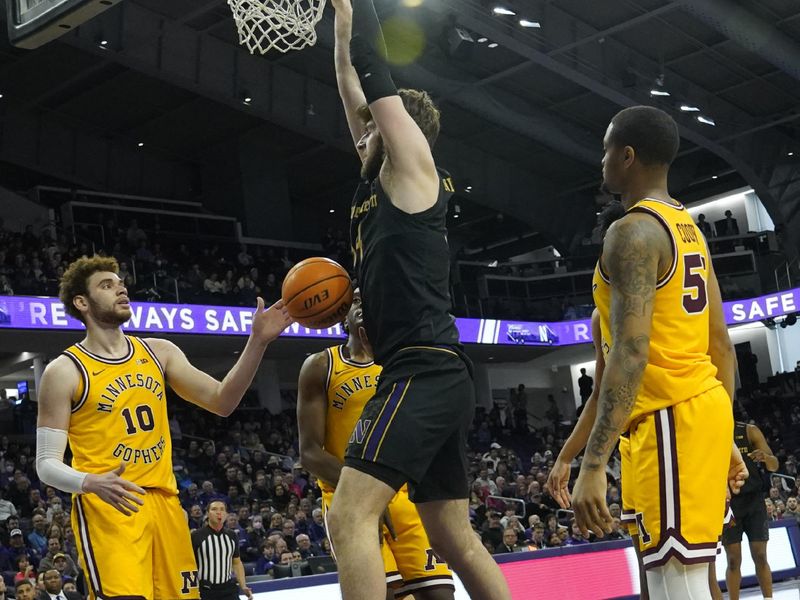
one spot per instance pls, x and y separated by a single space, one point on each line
414 428
333 388
106 395
669 374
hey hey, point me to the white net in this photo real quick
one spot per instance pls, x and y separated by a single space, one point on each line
280 24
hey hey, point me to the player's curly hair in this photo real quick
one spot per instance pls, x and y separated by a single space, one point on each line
73 281
420 106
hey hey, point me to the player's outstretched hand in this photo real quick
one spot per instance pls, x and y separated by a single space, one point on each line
558 483
247 592
589 502
268 324
758 456
115 490
737 473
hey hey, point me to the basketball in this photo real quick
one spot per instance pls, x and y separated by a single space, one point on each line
317 293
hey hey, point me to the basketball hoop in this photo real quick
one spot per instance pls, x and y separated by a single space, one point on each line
280 24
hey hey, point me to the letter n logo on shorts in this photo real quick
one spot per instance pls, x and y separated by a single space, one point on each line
189 581
360 431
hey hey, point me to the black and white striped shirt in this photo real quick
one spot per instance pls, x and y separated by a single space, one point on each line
214 551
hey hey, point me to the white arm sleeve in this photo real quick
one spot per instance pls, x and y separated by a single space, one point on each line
50 447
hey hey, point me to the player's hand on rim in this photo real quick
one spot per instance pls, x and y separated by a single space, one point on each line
110 487
589 503
557 484
270 323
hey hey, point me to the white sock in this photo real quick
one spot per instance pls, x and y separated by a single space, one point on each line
676 581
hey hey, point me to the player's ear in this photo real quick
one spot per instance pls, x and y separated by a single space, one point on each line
80 302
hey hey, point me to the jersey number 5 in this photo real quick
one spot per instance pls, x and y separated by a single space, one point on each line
695 297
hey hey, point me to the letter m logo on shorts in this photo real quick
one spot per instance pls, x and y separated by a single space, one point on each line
360 431
189 581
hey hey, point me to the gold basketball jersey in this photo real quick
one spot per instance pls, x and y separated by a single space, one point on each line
350 385
119 414
679 366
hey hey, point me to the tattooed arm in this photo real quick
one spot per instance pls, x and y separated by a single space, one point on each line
634 249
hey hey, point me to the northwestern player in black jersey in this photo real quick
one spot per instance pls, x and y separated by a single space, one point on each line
415 427
749 512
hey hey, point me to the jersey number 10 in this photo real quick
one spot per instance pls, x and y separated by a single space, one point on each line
144 418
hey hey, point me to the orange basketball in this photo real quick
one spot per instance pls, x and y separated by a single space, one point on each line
317 293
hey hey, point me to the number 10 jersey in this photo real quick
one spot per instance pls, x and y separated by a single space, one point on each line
119 414
679 366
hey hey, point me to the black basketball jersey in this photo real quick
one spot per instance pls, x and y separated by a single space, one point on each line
753 484
402 265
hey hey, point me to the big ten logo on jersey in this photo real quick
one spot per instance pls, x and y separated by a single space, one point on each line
688 233
359 209
190 581
360 431
348 388
447 184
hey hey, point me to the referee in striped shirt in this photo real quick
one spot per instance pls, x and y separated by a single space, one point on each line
217 552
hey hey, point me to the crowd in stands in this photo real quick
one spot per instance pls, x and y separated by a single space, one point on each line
249 461
155 267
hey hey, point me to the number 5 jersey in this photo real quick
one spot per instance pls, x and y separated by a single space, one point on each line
679 366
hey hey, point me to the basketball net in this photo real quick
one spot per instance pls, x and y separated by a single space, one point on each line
280 24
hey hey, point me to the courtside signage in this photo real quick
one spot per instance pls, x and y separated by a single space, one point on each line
28 312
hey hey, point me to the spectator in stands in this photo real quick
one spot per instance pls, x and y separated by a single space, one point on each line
703 225
25 570
25 590
576 539
65 565
37 538
305 547
7 508
195 516
509 543
616 532
17 546
289 534
267 559
537 536
209 494
492 530
585 386
792 511
316 529
729 226
484 481
53 588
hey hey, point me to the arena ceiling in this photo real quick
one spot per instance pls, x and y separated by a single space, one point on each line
524 111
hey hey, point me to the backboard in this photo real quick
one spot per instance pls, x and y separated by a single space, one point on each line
33 23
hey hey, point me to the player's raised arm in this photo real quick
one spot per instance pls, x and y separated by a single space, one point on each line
312 409
631 256
558 481
59 382
407 149
222 397
346 78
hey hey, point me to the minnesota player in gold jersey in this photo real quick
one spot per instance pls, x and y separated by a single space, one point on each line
333 388
669 375
106 395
